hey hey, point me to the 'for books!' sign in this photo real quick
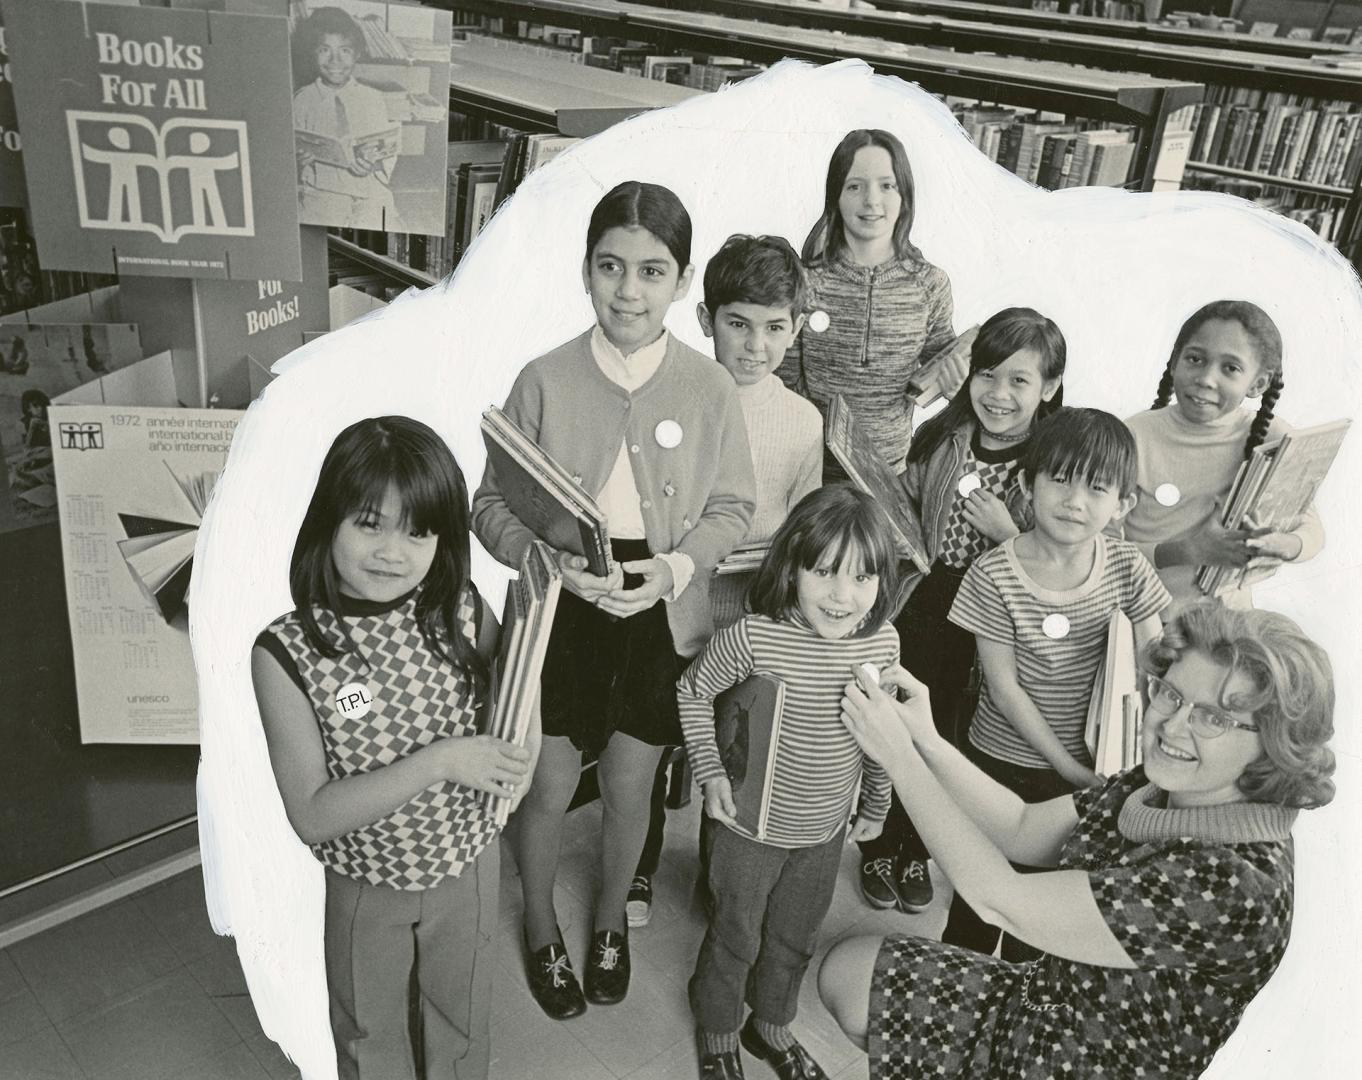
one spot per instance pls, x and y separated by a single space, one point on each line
167 139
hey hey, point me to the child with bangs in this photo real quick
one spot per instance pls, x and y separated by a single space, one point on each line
819 609
1038 606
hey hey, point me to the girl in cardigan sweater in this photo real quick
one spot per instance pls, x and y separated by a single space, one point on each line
879 309
653 431
1189 454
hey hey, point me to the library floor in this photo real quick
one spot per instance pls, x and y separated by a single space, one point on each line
144 990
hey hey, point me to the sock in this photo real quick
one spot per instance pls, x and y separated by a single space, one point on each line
718 1044
776 1036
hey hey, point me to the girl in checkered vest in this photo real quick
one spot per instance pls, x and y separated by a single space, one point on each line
962 479
369 692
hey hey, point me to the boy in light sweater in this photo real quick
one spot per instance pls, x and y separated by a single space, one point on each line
755 288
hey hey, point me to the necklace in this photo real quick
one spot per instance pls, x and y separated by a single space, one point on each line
1010 438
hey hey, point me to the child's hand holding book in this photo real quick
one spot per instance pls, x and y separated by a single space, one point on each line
719 802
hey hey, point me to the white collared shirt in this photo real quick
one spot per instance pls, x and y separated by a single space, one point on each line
619 498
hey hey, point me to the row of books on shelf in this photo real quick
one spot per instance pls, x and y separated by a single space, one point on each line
1280 135
1049 150
1321 214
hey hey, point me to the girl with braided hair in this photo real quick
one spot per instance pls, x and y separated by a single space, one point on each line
1189 454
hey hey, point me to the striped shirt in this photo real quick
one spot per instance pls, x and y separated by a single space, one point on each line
999 601
818 766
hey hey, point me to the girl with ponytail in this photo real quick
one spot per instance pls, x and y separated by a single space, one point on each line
1227 351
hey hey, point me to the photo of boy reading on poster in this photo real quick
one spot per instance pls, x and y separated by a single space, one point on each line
366 132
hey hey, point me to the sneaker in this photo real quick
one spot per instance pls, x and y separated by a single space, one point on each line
607 968
914 885
877 883
638 907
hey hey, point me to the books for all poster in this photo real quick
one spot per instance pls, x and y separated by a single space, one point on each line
868 471
1274 488
1116 709
541 493
747 727
526 623
132 484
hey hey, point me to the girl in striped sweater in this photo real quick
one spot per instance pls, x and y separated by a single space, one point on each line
1038 606
820 607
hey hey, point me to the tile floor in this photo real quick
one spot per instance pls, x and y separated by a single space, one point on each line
144 990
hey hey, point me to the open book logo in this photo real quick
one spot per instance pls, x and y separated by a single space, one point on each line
188 176
80 436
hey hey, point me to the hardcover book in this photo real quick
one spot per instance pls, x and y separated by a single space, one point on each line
1275 487
543 496
1116 708
746 727
868 471
526 623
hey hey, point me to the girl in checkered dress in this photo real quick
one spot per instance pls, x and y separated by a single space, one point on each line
963 479
369 693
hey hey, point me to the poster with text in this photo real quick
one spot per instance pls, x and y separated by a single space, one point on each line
262 320
133 484
38 365
371 114
169 141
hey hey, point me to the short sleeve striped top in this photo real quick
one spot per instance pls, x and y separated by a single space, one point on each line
1059 638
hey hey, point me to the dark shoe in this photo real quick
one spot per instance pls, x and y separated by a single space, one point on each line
552 981
877 883
726 1065
607 968
791 1064
914 885
638 907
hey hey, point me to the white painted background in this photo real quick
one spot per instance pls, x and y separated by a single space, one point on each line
1118 272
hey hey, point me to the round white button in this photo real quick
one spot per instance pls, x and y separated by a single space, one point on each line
353 700
969 484
1168 494
668 434
1055 626
819 321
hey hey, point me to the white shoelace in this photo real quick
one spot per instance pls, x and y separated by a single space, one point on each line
916 871
882 867
557 970
610 956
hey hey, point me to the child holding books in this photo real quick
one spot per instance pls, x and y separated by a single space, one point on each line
653 431
369 693
1038 606
879 309
753 309
820 607
336 105
1189 454
964 482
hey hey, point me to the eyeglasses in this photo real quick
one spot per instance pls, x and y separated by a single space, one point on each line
1205 721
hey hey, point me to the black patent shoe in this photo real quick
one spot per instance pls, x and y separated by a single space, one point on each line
553 982
792 1064
607 968
725 1065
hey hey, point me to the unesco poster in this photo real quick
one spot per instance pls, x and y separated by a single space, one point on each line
170 148
133 484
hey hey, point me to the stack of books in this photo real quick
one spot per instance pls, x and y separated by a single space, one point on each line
1116 708
1274 489
541 493
869 472
744 559
526 624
